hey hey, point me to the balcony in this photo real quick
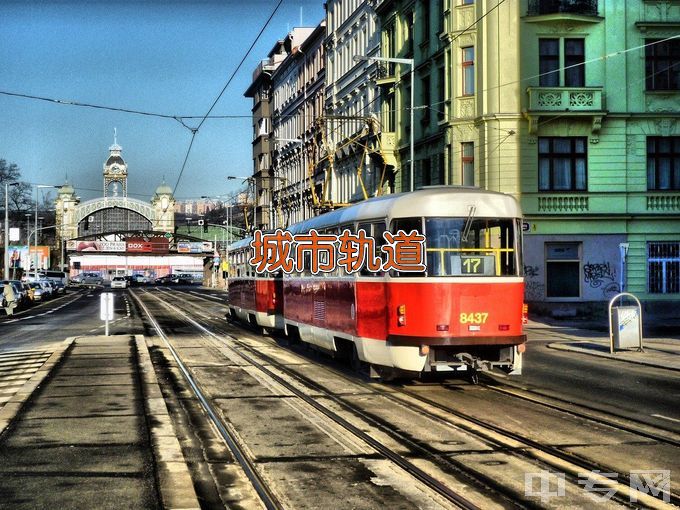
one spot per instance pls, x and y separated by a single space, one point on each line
577 7
570 101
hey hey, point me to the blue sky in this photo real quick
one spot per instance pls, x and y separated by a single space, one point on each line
169 57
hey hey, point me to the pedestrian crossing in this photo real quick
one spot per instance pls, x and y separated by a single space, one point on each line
16 368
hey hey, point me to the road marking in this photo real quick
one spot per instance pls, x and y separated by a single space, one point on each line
666 418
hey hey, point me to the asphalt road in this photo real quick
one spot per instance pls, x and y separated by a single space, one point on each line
642 393
76 313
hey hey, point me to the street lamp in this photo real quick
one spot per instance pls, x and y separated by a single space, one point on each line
407 61
7 185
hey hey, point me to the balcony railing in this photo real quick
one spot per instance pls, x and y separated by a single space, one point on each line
583 7
577 99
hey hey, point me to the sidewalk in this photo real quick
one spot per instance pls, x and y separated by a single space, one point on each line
592 338
93 432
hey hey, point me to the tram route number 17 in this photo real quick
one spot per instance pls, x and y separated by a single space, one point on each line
472 265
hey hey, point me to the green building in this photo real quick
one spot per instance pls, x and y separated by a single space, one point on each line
600 154
570 105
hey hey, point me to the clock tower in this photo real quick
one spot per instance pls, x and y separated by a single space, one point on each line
115 171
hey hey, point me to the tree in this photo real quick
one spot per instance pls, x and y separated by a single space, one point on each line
9 173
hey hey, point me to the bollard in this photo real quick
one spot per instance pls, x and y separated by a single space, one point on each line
106 310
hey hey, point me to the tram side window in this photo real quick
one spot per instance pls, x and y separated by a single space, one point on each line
374 231
407 225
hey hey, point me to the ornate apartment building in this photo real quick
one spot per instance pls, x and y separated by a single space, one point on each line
297 88
357 152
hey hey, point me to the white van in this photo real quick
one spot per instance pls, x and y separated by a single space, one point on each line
55 276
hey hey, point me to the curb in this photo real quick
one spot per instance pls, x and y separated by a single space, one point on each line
16 403
174 480
590 352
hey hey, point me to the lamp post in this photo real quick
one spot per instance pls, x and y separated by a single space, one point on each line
7 185
410 62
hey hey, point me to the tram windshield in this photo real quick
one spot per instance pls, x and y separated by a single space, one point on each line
468 246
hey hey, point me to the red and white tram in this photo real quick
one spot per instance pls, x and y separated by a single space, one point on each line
463 312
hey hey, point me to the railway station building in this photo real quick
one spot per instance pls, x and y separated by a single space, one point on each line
116 235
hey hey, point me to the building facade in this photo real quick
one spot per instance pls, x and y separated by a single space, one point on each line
601 156
525 98
260 90
297 103
357 155
466 110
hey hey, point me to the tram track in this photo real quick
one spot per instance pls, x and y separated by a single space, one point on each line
387 453
268 498
552 456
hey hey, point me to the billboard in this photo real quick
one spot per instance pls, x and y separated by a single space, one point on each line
152 245
197 247
96 246
21 256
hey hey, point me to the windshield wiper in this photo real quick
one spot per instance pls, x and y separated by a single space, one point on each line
468 223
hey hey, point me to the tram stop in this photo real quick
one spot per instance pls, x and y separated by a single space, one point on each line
625 324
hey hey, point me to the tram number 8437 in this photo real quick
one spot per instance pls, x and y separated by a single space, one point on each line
473 317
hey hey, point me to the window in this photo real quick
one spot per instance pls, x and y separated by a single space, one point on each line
472 246
467 159
662 64
468 71
562 270
408 36
549 63
425 101
467 2
425 13
426 172
562 164
440 16
663 163
663 268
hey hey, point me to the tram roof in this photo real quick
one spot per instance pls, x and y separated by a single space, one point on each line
433 201
437 201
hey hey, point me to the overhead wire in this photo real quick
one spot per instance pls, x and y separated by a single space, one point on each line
194 131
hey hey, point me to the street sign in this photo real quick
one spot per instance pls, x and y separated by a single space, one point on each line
168 235
14 234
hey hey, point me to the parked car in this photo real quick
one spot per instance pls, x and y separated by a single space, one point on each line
140 279
183 279
119 282
29 292
48 290
39 292
164 280
88 279
59 287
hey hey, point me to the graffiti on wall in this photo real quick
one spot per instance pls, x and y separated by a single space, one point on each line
534 289
603 276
